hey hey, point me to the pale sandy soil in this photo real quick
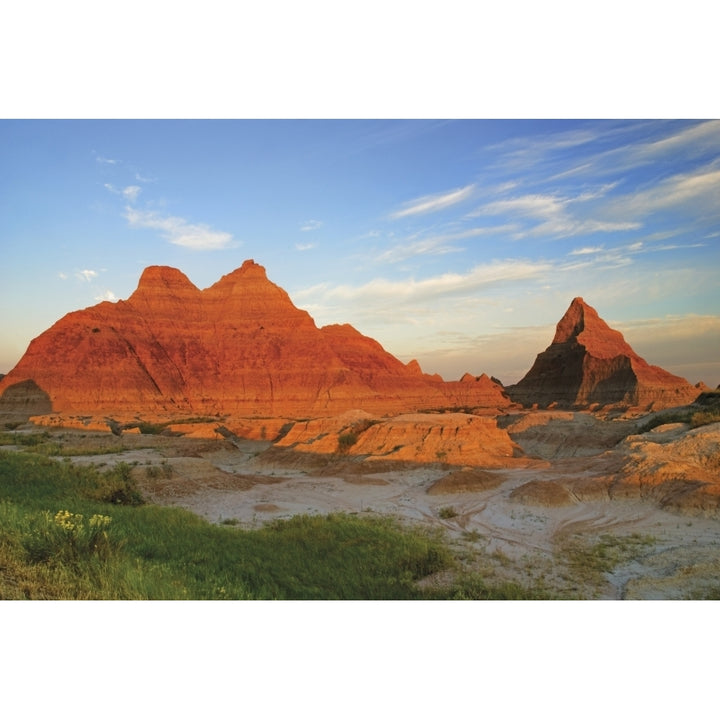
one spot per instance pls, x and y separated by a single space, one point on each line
495 534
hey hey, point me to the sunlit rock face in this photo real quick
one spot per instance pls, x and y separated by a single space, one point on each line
589 363
238 347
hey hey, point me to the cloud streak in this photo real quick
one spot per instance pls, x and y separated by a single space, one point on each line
179 231
433 203
553 214
687 192
381 290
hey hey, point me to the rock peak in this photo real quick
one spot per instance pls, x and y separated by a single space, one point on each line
576 319
590 362
250 267
248 273
162 279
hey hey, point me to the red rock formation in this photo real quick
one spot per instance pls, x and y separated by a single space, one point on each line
453 438
589 362
239 347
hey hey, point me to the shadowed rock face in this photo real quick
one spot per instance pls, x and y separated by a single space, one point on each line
24 399
590 363
238 347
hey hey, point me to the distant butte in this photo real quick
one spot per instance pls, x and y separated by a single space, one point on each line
589 363
239 347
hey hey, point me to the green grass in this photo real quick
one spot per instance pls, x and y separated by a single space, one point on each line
44 443
152 552
590 562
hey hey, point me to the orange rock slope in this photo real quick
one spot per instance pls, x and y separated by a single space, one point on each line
239 347
453 438
588 362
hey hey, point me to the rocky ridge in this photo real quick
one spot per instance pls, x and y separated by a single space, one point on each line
239 347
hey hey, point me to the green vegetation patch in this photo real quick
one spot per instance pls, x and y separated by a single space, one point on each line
59 445
590 562
75 533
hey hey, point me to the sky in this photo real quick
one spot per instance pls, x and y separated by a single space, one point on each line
459 243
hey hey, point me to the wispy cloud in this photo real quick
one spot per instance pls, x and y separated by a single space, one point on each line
62 276
105 161
429 246
108 296
433 203
130 193
86 275
179 231
383 290
437 244
587 251
310 225
551 214
689 192
693 140
305 246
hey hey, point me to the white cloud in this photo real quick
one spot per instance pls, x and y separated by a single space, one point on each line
105 161
305 246
86 275
130 192
433 203
108 296
587 251
437 244
178 231
380 290
311 225
693 192
62 276
429 246
553 215
695 139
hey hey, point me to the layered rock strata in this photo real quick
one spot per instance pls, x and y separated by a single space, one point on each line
588 363
239 347
452 438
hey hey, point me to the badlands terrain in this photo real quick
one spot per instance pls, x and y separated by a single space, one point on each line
581 507
595 476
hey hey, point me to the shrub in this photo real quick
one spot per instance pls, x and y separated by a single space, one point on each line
68 537
116 486
346 441
445 513
164 469
704 418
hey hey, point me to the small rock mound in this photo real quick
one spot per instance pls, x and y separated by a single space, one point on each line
543 493
466 480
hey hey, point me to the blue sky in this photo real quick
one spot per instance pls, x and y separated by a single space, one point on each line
459 243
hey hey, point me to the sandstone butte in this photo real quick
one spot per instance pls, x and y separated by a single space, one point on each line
589 363
239 347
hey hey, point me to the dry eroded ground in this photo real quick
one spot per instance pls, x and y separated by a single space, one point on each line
525 524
